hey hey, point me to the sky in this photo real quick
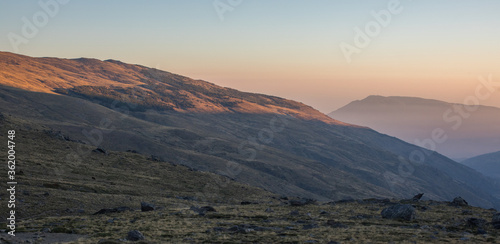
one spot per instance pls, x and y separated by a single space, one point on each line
324 53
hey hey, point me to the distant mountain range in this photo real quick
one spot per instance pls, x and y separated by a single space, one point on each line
466 131
488 164
280 145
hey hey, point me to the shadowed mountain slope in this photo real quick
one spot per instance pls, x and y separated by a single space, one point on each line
488 164
277 144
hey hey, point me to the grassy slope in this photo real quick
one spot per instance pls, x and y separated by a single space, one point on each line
120 178
125 179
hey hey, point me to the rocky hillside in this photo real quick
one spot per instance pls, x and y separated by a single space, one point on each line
110 80
282 146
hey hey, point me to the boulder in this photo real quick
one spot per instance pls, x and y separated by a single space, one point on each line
135 235
475 223
203 210
100 150
417 197
112 210
334 224
399 211
301 202
459 201
495 221
145 207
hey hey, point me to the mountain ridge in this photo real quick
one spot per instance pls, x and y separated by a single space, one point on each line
414 119
84 75
286 150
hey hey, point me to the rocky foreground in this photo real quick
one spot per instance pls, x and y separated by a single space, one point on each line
276 220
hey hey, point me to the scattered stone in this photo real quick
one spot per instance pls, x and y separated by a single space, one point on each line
417 197
145 207
242 228
155 158
108 241
400 211
475 223
334 224
135 235
466 212
301 202
203 210
425 208
323 212
310 226
496 218
269 210
495 221
219 229
208 209
361 216
374 200
188 198
112 210
294 213
132 151
248 203
346 201
311 241
481 231
459 201
100 150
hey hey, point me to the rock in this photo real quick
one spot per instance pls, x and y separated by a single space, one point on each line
334 224
248 203
145 207
269 210
203 210
294 213
323 212
208 209
219 229
399 211
475 223
417 197
113 210
310 226
496 218
495 221
301 202
135 235
459 201
100 150
242 228
155 158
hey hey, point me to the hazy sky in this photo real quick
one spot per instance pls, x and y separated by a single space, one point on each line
289 48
